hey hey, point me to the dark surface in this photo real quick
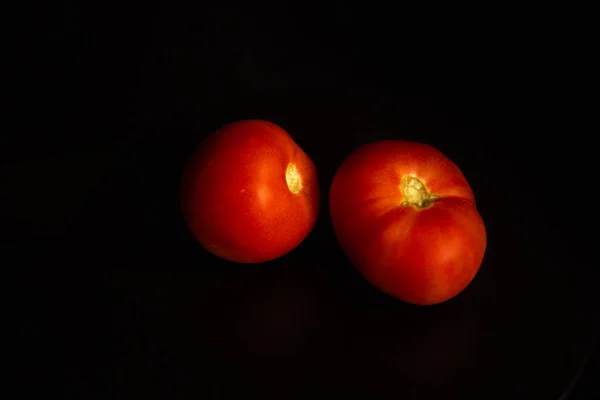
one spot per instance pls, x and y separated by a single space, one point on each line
116 300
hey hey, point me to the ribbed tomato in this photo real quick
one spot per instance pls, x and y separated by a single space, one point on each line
249 193
406 218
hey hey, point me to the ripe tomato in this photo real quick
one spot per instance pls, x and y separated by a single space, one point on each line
406 218
249 194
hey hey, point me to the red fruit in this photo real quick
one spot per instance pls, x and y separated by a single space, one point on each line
406 218
249 194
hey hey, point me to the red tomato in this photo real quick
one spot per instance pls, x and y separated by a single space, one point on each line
249 193
406 218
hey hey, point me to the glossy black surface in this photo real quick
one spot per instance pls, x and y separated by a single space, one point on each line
124 304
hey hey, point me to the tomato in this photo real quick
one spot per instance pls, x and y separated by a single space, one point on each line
405 216
249 193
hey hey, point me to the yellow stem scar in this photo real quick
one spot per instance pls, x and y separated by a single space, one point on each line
293 179
415 193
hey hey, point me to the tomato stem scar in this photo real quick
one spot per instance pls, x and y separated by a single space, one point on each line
415 193
292 177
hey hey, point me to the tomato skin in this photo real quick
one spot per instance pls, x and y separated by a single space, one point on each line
419 255
235 197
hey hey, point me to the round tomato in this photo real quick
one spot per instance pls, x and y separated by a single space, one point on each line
249 194
406 218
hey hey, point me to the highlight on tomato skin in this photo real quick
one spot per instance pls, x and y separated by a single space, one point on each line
406 218
249 193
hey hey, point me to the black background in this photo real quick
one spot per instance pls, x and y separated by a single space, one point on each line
115 300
